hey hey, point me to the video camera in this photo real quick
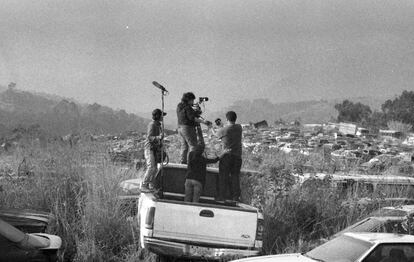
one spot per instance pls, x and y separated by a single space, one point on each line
218 122
197 107
202 99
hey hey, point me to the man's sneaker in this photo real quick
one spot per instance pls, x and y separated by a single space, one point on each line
229 202
147 187
236 199
219 200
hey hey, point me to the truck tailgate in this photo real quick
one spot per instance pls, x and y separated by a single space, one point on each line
207 224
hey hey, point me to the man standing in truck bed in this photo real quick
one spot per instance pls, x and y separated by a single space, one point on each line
152 145
196 173
231 160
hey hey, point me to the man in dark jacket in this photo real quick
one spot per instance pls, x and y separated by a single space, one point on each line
196 174
152 144
231 159
187 122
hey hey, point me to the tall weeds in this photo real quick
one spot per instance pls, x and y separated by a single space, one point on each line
79 186
297 216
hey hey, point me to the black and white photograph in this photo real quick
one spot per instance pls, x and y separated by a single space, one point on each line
207 130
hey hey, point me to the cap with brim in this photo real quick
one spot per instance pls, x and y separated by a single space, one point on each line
157 111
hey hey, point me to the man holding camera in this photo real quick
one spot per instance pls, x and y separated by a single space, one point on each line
231 160
188 120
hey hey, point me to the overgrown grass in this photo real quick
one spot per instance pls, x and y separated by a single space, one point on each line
298 217
79 186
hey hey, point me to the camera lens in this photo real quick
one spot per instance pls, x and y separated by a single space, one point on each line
203 99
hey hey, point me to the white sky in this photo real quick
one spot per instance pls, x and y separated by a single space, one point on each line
110 51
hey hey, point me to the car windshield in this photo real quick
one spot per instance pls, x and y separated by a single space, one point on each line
343 248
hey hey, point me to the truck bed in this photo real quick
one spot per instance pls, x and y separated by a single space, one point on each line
228 224
206 202
209 229
171 182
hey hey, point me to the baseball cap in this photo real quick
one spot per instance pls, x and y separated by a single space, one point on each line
157 112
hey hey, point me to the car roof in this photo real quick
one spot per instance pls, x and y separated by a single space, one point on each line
382 237
374 238
383 218
381 179
266 258
406 208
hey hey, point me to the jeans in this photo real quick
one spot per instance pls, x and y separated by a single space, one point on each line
228 182
188 141
193 189
151 166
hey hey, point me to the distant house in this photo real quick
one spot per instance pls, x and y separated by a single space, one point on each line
409 140
347 128
390 133
261 124
362 131
312 127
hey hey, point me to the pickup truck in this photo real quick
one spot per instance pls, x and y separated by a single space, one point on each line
172 228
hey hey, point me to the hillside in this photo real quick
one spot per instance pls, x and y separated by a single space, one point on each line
263 109
58 116
305 111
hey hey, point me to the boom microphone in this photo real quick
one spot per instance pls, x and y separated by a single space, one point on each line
159 86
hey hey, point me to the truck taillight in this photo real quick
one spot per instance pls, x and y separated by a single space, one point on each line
259 229
149 220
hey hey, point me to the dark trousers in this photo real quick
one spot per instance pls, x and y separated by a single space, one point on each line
193 189
228 182
188 141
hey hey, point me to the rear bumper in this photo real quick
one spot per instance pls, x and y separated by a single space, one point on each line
175 249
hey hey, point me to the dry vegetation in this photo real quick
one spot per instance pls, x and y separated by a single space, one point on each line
79 186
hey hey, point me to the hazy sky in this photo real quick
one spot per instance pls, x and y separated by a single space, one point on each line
110 51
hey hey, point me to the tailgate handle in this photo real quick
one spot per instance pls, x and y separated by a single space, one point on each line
206 213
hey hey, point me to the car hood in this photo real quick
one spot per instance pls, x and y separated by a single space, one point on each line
297 257
131 186
54 242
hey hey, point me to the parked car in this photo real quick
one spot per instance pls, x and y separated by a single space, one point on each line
26 220
23 237
352 247
387 188
391 211
172 228
385 220
396 224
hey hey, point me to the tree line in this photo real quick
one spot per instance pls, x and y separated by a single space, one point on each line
397 113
